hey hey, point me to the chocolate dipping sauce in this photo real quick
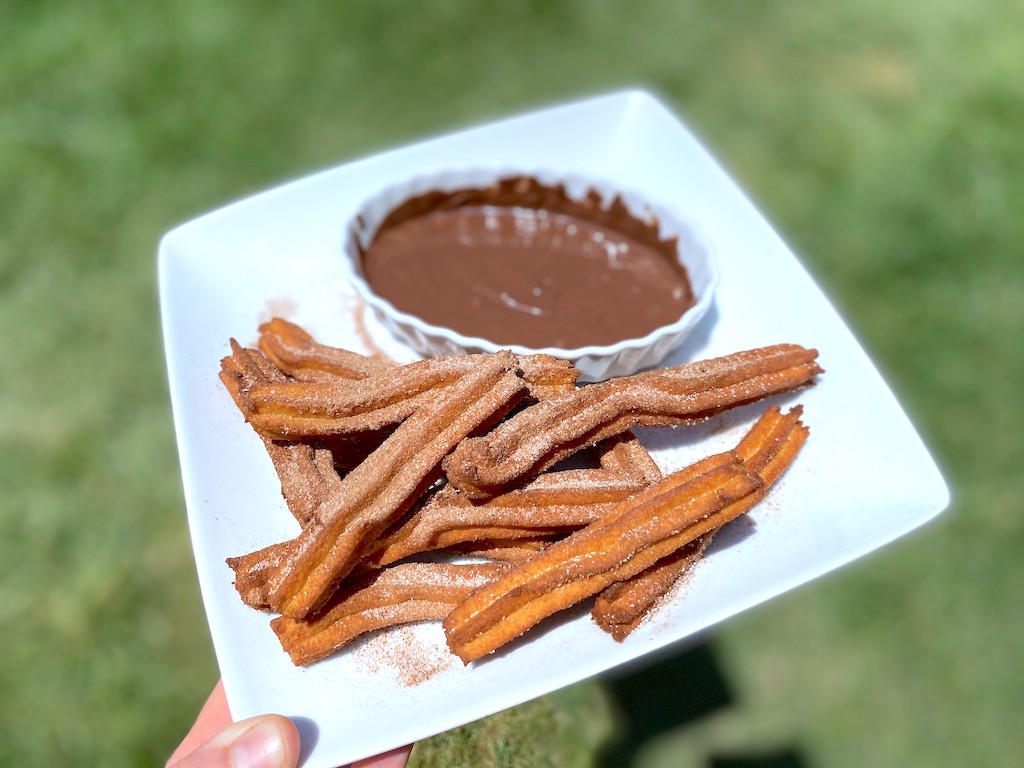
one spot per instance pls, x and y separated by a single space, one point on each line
522 263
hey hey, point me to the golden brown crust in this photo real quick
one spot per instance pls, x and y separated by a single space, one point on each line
300 356
767 450
539 436
620 608
620 531
386 598
550 506
384 486
506 551
645 528
552 503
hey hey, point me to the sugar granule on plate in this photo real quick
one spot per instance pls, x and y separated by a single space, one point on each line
406 653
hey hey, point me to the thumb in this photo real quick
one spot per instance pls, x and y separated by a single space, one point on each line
267 741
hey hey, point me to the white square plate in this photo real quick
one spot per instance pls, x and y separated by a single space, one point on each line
863 479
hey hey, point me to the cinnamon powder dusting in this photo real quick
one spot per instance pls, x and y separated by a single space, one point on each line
400 650
359 309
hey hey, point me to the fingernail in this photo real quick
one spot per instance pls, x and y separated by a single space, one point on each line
262 746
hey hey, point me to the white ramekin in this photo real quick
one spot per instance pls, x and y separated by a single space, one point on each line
694 250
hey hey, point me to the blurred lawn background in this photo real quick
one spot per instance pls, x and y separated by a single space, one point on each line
884 140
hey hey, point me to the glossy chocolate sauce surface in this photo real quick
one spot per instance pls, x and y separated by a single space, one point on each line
522 263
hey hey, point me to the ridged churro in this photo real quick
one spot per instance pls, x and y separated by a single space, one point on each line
359 444
620 608
299 355
326 408
306 472
375 493
645 528
556 502
399 595
539 436
553 504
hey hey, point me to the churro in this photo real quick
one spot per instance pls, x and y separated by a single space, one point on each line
620 608
359 443
547 432
307 476
298 354
551 503
387 483
767 450
644 528
399 595
327 408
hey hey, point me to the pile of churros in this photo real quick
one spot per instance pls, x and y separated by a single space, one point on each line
384 466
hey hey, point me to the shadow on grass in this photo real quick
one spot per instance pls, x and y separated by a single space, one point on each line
672 692
782 758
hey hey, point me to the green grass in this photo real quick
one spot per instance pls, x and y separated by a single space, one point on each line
882 139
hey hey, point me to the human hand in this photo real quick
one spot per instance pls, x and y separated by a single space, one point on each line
266 741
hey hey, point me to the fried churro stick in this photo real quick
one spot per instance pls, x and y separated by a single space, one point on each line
296 353
375 493
311 409
586 562
551 503
306 473
767 450
541 435
625 454
645 528
399 595
620 608
307 476
293 410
